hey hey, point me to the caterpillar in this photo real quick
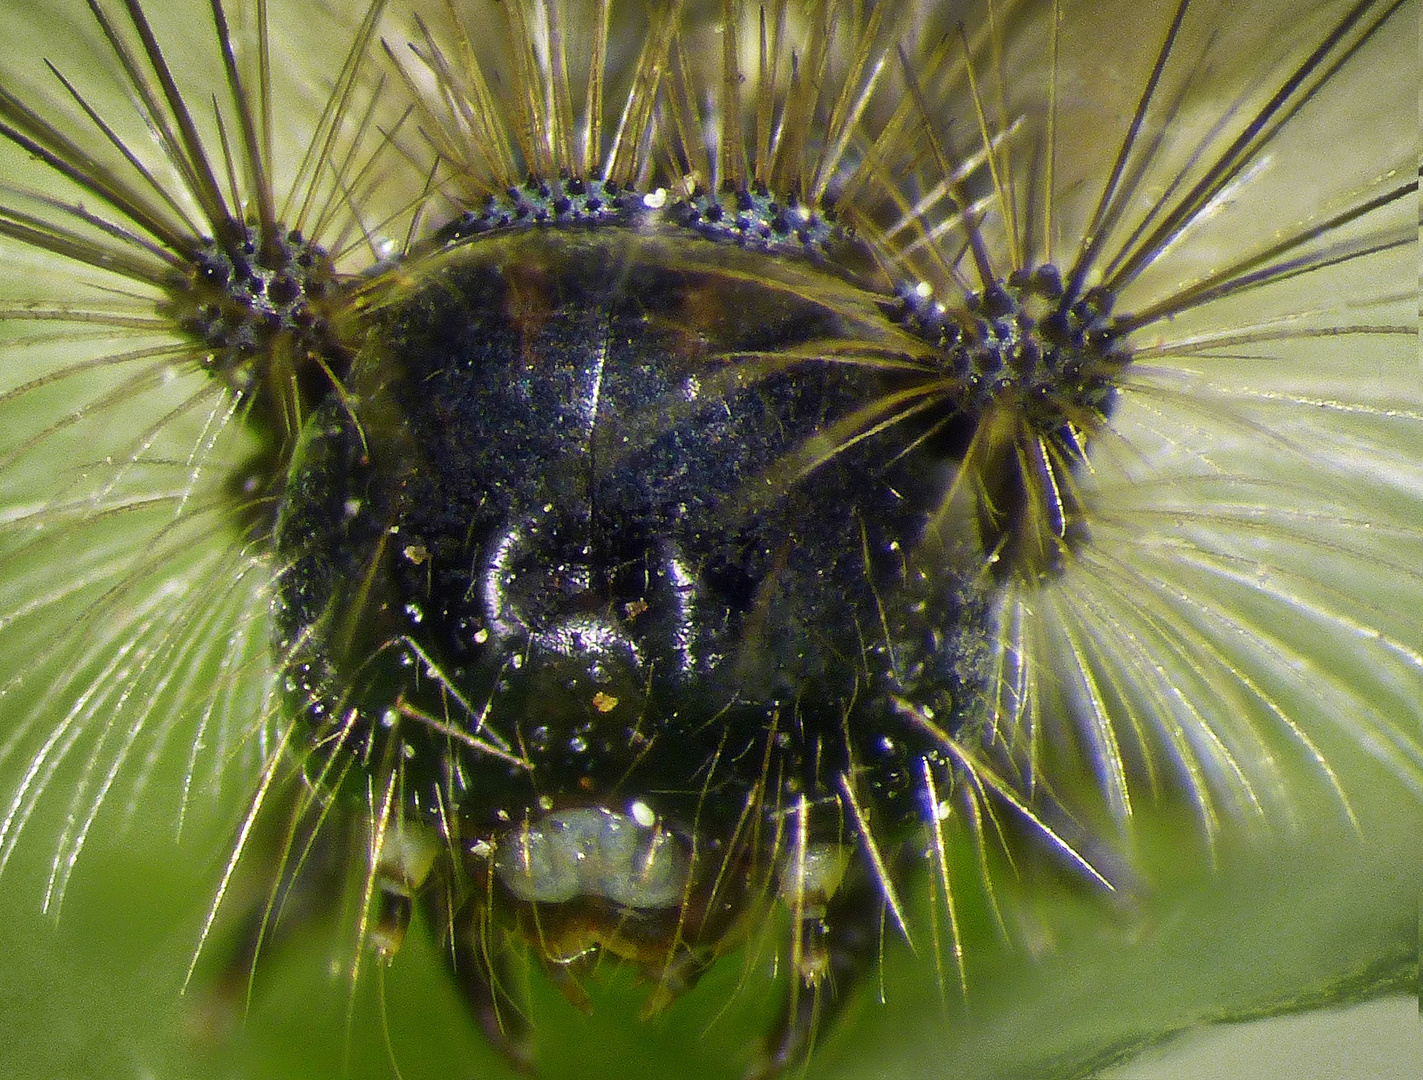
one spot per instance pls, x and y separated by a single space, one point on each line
749 491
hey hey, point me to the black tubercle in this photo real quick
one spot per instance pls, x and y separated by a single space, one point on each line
1027 337
245 293
1029 374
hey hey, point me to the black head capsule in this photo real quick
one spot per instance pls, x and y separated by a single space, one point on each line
598 563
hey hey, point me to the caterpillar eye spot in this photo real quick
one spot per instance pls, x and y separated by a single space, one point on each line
719 497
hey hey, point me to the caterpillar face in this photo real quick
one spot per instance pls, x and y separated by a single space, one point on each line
651 485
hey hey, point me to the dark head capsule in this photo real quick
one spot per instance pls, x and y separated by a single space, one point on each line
548 563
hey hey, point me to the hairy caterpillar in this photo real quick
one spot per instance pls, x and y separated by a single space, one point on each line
1220 538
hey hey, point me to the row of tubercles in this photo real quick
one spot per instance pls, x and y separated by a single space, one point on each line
750 218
